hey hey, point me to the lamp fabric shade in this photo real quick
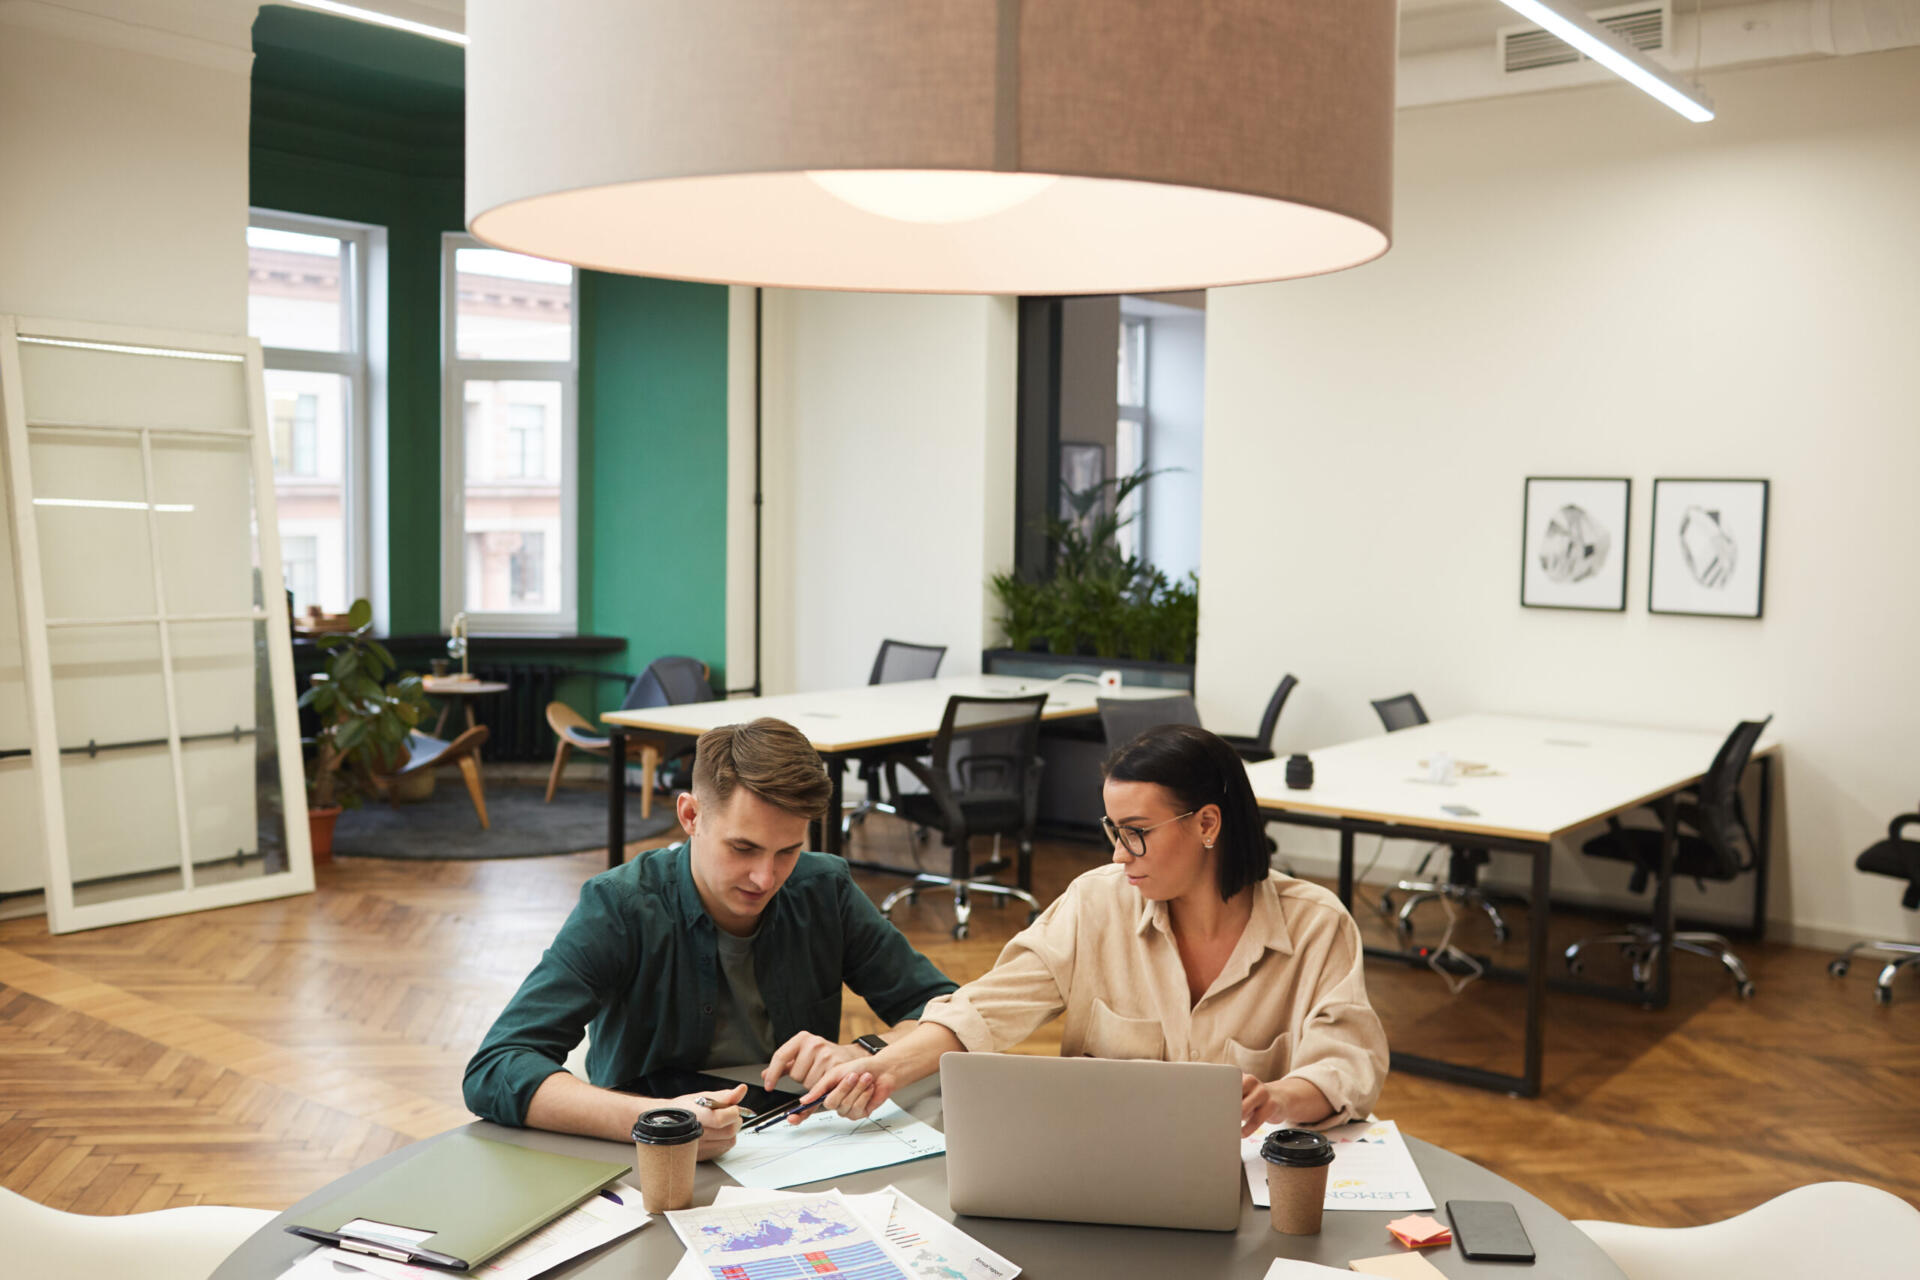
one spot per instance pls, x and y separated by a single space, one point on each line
1192 143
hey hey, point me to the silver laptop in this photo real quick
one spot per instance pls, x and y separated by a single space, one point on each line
1139 1144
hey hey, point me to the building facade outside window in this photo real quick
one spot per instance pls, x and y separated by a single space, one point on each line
509 443
307 304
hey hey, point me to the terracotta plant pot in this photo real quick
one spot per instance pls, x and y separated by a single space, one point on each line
320 829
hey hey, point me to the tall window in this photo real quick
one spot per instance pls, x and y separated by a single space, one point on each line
307 304
509 441
1130 432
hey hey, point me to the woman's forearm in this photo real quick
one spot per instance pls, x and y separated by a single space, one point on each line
915 1055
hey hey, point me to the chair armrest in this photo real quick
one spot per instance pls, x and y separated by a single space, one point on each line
1900 824
937 787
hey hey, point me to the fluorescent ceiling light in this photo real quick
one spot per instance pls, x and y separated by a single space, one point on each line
379 19
172 353
109 504
1570 23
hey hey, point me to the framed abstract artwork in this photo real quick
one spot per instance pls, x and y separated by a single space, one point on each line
1709 548
1573 544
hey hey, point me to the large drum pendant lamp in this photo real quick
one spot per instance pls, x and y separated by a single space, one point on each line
935 146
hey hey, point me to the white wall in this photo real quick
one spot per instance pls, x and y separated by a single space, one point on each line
888 445
1582 284
123 150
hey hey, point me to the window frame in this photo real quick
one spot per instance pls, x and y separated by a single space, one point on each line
456 372
355 364
1131 417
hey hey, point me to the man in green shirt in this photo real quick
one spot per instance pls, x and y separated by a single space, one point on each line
706 954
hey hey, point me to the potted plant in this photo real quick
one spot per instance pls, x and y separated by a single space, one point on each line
1099 601
366 711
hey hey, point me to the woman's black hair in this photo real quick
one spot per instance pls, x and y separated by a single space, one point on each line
1199 769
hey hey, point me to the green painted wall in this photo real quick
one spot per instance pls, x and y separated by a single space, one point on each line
357 122
653 507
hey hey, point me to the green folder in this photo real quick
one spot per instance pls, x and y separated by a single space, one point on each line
474 1195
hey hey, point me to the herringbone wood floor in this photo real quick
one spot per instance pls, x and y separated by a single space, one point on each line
250 1055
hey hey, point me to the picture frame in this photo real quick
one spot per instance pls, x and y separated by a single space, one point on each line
1709 547
1574 538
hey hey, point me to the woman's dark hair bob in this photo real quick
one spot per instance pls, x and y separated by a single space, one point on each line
1198 769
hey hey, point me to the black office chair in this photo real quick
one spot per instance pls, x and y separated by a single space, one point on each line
1124 719
1898 857
671 681
897 660
1462 883
983 779
1256 749
1715 843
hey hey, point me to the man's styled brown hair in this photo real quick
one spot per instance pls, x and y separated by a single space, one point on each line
768 757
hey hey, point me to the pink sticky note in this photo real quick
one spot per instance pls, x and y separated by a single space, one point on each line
1417 1230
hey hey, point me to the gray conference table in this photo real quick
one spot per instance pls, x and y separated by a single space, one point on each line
1044 1250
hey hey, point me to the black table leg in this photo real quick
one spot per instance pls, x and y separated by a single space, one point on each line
1539 913
832 831
1346 869
616 798
1663 904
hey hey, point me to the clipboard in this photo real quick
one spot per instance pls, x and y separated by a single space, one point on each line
456 1202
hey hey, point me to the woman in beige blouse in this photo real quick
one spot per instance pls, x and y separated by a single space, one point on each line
1185 948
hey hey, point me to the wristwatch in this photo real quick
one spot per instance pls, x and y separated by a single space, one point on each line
871 1043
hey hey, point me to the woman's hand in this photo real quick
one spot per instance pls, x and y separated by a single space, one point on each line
719 1118
808 1057
854 1089
1257 1104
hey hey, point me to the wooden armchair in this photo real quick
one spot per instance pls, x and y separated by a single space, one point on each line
575 732
429 752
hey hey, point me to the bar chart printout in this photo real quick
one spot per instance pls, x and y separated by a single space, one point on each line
796 1239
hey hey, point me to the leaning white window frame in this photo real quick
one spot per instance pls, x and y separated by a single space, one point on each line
1130 435
351 363
457 372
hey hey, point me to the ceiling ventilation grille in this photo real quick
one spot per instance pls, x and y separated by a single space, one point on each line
1642 26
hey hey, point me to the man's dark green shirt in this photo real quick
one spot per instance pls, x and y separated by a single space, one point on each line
637 959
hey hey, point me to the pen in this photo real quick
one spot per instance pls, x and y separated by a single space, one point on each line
782 1113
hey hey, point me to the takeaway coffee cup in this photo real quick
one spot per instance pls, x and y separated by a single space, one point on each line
666 1146
1297 1161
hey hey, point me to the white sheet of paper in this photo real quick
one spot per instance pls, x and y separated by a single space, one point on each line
793 1235
1289 1269
935 1249
829 1146
873 1208
596 1221
1372 1168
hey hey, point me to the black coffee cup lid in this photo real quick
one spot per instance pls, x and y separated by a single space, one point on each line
1297 1148
666 1126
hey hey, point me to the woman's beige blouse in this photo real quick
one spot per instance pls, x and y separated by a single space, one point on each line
1290 1003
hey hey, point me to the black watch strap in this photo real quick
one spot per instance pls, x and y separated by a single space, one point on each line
871 1043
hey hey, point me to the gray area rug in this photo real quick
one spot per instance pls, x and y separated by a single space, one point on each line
443 826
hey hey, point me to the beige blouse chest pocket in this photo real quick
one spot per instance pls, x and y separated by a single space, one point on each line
1109 1035
1264 1062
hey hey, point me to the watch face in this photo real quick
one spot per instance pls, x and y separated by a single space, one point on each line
871 1043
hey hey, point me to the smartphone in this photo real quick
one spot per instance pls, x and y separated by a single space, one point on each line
675 1084
1489 1231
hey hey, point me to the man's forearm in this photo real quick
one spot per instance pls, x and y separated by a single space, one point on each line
564 1103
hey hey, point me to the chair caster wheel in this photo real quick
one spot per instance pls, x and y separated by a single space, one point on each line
1882 996
1838 968
1576 966
1745 990
959 933
1501 933
1386 904
1032 916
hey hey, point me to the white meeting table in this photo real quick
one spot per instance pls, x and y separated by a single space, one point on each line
842 723
1549 779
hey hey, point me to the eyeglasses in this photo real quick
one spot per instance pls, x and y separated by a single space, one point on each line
1134 839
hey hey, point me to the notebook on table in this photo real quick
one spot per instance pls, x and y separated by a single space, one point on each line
456 1202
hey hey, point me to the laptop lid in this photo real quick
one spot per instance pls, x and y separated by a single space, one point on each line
1132 1143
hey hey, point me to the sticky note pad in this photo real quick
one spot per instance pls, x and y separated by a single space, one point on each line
1397 1266
1418 1231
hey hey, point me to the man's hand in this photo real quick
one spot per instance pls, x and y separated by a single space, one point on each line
807 1058
719 1118
1257 1104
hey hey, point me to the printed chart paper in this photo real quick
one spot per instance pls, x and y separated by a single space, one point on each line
1372 1168
935 1249
872 1208
829 1146
783 1239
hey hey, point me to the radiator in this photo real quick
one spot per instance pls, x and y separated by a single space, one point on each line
517 719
